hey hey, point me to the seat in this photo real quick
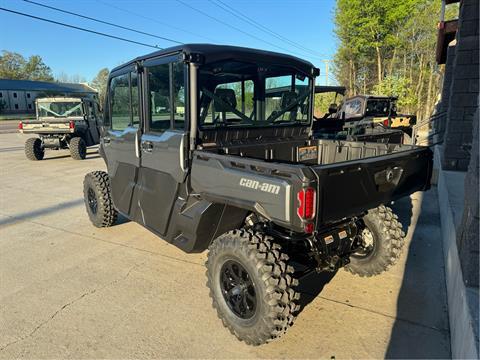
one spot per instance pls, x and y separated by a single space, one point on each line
288 98
228 101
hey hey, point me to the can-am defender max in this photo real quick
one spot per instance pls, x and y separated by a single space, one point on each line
198 154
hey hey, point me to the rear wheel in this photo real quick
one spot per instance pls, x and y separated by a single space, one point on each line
34 149
251 286
98 199
382 243
78 148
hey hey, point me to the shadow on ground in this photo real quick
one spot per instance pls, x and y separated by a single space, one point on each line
311 286
29 215
421 327
90 156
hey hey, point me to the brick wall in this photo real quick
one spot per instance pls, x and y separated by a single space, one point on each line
463 91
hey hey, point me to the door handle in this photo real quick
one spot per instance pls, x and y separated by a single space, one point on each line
147 146
106 140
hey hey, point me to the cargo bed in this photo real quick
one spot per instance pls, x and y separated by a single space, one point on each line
350 177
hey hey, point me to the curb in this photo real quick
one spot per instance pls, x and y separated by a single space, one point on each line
464 344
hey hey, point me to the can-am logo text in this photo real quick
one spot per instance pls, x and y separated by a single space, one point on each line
257 185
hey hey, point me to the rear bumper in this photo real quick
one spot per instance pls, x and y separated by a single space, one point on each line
48 131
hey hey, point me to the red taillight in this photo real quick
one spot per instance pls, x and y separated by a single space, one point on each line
385 122
308 228
306 204
72 124
20 125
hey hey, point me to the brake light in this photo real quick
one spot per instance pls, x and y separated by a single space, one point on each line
20 125
385 122
306 203
308 228
72 124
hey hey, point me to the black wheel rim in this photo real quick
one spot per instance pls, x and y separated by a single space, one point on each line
367 245
92 200
238 289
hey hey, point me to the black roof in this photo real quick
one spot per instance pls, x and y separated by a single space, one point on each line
30 85
212 53
327 88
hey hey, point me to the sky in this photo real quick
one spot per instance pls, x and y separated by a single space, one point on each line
307 23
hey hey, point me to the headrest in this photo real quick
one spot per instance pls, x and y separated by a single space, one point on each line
227 96
288 98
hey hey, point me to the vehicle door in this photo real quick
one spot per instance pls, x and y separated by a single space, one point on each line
92 122
121 136
163 143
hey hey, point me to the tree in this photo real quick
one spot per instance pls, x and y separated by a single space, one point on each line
11 65
36 69
15 66
387 47
99 83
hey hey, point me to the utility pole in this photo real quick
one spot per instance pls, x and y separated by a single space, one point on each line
327 62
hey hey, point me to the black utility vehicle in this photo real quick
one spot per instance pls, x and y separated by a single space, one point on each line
62 123
353 121
368 117
201 151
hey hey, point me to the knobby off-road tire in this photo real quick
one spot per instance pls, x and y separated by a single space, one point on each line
98 199
266 266
388 240
78 148
33 149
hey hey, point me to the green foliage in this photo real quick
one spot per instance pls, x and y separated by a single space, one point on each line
322 103
399 86
388 46
15 66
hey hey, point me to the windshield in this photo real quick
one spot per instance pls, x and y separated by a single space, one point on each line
59 109
378 107
246 94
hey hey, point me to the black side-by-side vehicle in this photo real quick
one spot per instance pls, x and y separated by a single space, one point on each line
210 147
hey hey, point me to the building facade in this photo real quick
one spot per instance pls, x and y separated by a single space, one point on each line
18 96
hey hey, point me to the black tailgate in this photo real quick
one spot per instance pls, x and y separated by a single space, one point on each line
349 188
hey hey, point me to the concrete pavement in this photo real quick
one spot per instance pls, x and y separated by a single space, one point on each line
8 126
68 289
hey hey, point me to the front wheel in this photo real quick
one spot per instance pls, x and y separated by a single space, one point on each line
78 148
382 241
34 149
251 286
98 199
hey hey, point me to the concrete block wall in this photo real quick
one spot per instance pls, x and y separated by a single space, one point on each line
468 237
463 90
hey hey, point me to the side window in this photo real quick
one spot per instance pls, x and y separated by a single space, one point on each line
134 94
178 96
120 102
160 106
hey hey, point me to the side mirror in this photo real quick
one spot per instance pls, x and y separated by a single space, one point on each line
343 115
